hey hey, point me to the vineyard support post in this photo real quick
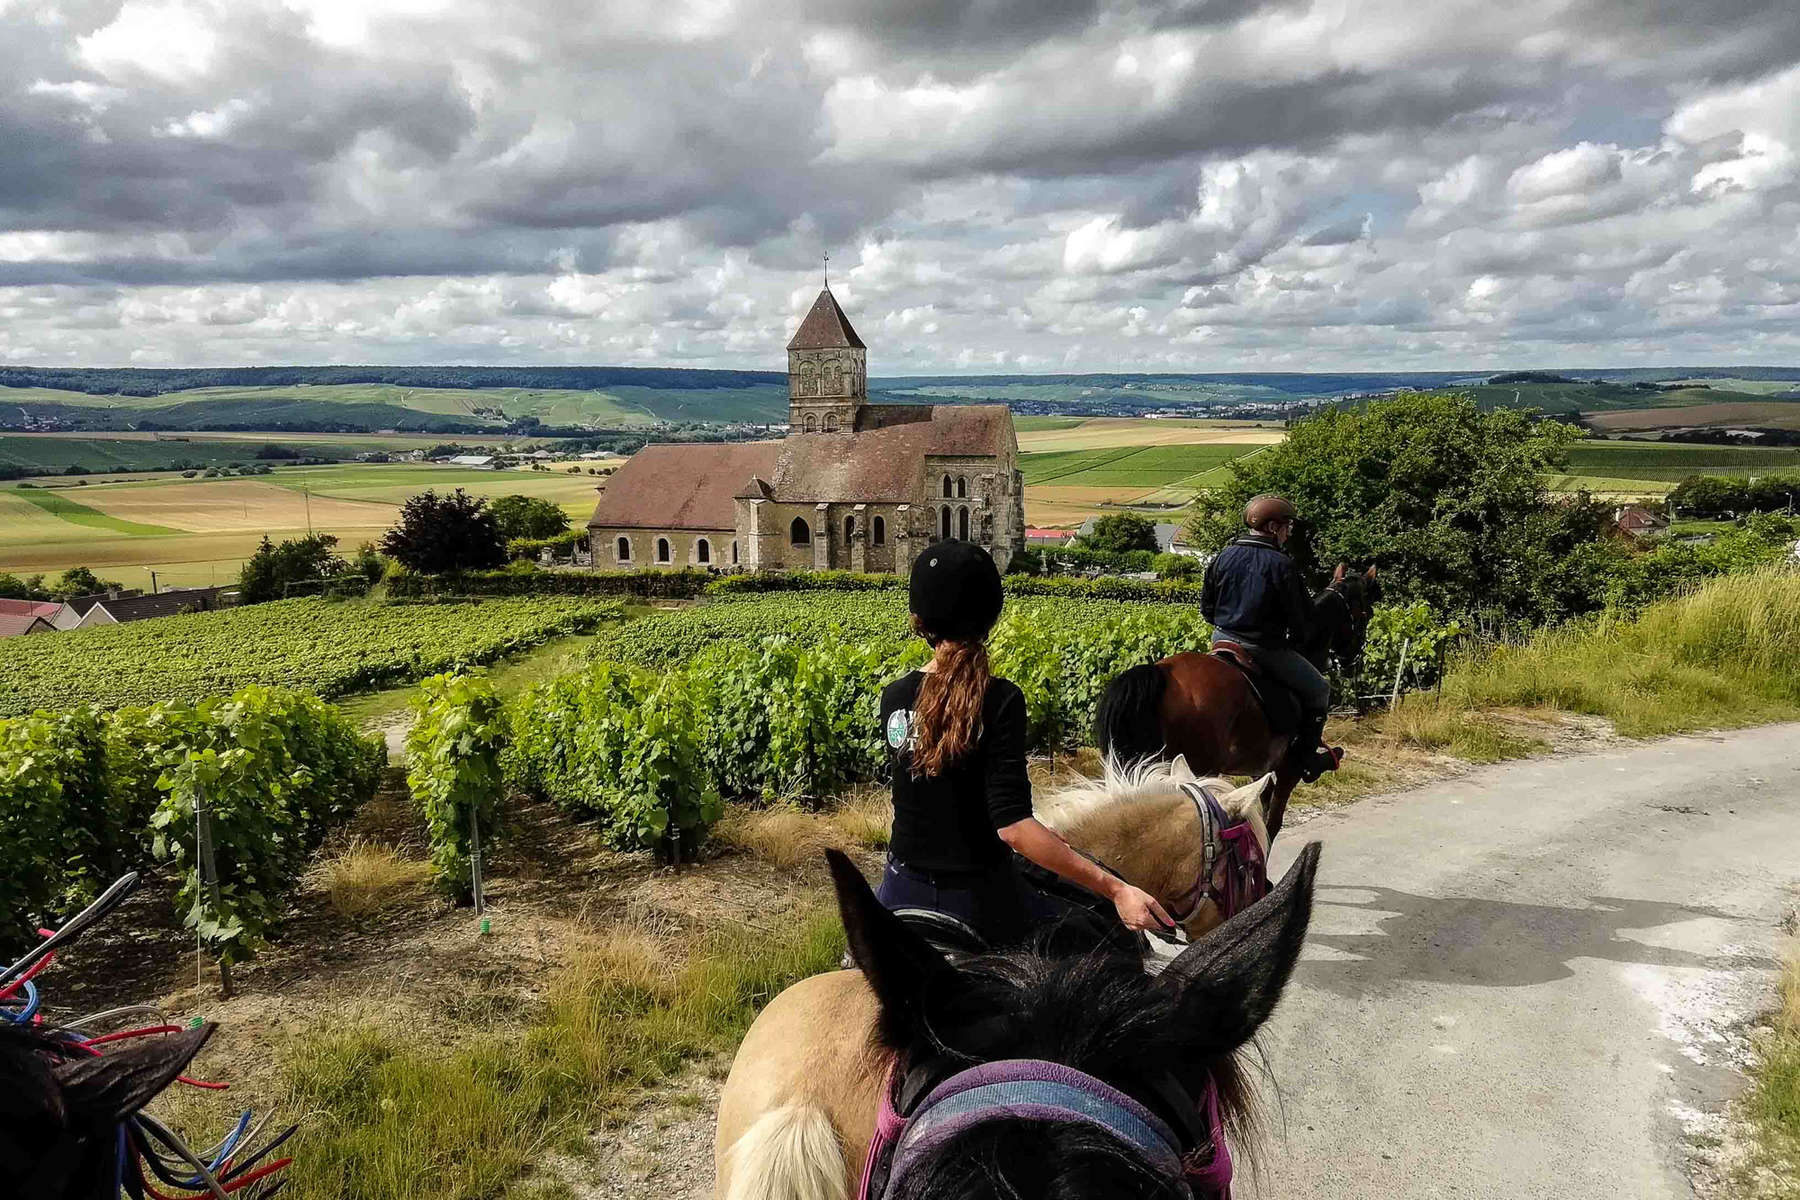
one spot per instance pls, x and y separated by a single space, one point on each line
1399 672
209 887
475 861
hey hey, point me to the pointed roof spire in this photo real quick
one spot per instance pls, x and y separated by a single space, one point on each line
826 327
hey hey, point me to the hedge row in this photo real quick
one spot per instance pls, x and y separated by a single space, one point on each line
647 584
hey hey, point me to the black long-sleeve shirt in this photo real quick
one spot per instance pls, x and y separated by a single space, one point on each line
948 821
1253 589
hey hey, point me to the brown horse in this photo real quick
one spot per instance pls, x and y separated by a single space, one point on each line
1200 707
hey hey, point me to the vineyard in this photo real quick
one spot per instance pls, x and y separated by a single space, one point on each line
86 795
324 647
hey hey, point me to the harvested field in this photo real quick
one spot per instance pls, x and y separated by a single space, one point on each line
1136 431
1774 414
230 505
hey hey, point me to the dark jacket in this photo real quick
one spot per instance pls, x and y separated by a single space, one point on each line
1253 589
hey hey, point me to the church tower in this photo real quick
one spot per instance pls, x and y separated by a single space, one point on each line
828 371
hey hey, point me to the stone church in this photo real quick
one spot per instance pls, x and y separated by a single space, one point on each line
854 486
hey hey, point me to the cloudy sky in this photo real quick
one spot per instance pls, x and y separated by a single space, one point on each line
1003 185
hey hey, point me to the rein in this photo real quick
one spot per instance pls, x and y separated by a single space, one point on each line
1033 1089
1246 868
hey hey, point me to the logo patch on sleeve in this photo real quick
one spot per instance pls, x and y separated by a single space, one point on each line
899 728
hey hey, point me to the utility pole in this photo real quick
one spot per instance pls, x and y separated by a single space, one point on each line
152 571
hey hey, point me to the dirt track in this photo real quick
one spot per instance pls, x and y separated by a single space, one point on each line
1533 981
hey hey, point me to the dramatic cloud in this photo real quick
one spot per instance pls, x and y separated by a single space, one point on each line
1002 184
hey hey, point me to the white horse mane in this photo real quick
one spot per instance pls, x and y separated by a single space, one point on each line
1145 782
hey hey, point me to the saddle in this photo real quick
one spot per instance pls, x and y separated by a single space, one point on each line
1281 708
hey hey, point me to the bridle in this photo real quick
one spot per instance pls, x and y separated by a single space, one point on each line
917 1115
1246 869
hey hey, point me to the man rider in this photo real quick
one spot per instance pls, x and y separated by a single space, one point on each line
1254 596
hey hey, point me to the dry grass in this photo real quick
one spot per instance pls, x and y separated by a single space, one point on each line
789 836
364 878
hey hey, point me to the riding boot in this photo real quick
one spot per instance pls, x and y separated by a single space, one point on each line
1309 752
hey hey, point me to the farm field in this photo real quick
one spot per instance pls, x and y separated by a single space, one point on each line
319 646
1094 433
126 451
1672 462
197 532
1774 414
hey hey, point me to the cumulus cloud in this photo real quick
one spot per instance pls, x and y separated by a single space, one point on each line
1002 184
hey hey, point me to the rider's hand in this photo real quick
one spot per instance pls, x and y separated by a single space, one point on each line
1337 576
1139 910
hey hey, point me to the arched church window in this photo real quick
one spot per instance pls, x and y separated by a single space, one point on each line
809 383
831 379
946 487
849 528
702 551
798 533
624 547
962 524
831 422
880 531
662 550
962 487
734 552
944 534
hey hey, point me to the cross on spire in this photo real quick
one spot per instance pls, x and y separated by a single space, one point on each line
828 270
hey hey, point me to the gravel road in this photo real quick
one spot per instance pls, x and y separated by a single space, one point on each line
1532 981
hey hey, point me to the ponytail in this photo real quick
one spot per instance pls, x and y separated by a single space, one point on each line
947 712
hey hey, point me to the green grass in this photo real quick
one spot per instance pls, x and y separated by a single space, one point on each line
1774 1101
1673 461
58 504
392 1117
1726 655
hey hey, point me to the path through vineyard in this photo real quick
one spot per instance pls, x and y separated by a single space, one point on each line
1531 981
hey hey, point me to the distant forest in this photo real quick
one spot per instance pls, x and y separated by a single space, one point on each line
143 381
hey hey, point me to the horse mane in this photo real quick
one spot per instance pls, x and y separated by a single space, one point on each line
1122 785
1098 1012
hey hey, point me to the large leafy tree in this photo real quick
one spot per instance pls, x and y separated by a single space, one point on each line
437 534
268 572
1119 532
1449 501
80 581
528 517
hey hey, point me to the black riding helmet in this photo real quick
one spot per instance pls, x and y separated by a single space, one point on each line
955 591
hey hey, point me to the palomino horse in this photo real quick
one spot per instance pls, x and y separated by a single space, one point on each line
1203 709
1012 1074
806 1085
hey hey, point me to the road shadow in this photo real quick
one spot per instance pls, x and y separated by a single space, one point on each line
1492 943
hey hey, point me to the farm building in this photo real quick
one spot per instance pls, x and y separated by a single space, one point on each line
853 486
479 461
1641 522
116 610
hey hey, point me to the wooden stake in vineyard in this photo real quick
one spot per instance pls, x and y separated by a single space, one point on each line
209 887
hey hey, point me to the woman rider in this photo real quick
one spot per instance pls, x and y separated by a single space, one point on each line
962 800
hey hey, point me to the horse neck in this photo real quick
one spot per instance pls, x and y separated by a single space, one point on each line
1153 843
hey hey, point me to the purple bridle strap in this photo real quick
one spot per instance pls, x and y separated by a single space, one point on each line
1246 869
1034 1089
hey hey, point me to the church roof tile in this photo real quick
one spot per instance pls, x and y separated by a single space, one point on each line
825 327
682 486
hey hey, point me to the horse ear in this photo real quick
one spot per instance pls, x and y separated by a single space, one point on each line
1230 980
898 964
1255 792
1371 571
1180 772
116 1084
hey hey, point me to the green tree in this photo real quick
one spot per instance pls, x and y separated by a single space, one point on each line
1120 532
437 534
528 517
79 581
1449 501
14 588
273 567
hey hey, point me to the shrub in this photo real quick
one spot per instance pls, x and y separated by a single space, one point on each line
1118 532
1177 566
560 544
453 769
272 568
648 584
437 534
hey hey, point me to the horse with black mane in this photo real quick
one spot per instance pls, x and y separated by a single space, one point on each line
1024 1072
1218 712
